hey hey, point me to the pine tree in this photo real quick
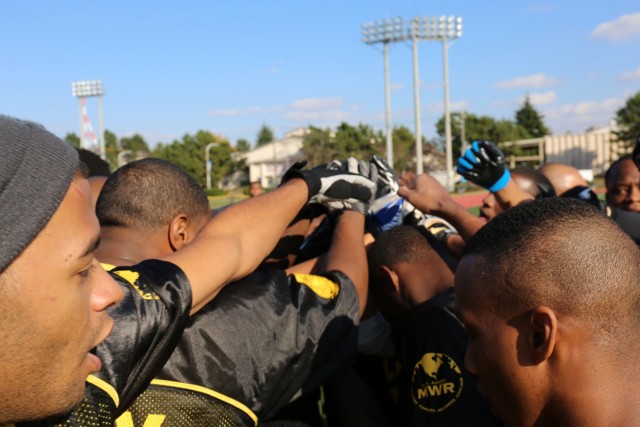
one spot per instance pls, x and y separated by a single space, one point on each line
530 119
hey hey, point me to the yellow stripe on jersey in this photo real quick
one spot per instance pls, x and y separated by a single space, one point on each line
320 285
131 277
107 267
209 392
106 387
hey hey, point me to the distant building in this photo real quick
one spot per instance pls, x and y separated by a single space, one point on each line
268 162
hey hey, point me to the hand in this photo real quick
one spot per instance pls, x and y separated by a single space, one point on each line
335 189
426 194
636 153
483 164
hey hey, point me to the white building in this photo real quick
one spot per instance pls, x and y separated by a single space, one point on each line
268 162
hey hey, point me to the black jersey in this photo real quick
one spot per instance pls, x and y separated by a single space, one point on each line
148 324
260 342
440 391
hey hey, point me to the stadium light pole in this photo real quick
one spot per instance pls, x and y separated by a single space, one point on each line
208 162
419 28
90 88
415 34
448 28
385 31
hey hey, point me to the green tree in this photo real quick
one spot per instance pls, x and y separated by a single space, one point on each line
321 146
628 118
188 153
265 135
111 148
484 128
242 145
403 149
135 143
530 119
72 139
318 146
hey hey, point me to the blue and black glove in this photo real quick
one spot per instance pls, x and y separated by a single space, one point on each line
483 164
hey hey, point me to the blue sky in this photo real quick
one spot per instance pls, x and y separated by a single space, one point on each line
175 67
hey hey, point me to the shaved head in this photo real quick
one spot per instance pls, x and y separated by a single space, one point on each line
563 254
563 177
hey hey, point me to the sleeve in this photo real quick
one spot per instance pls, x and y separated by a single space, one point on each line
148 325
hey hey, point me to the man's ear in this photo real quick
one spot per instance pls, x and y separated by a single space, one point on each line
178 232
390 277
543 333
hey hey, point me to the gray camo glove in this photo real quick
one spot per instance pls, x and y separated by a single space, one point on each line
335 189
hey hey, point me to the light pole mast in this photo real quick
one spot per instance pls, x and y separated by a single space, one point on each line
419 28
90 88
387 105
385 32
415 32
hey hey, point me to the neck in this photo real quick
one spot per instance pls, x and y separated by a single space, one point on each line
605 392
440 279
119 246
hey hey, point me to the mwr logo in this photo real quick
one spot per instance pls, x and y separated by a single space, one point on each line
436 382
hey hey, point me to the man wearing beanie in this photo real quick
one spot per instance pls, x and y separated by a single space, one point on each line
64 320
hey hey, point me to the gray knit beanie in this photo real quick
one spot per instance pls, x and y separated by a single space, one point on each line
36 169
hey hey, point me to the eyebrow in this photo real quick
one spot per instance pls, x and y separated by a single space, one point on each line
91 247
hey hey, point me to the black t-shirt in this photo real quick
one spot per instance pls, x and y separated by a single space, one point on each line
148 324
439 391
260 342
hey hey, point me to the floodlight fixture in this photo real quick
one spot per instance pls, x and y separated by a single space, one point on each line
82 89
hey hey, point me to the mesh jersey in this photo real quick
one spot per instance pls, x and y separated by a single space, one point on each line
148 324
439 391
261 341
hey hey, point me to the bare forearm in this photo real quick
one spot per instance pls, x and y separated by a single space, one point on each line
347 253
460 218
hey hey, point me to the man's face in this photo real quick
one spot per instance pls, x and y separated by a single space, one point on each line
492 350
623 187
52 304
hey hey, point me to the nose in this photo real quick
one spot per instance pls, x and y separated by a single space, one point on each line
106 291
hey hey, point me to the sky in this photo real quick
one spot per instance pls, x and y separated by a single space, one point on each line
176 67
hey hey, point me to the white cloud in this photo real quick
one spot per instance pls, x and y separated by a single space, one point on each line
315 104
232 112
272 71
533 81
624 28
328 116
577 117
228 113
541 98
396 86
630 75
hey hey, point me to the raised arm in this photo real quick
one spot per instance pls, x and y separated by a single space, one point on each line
234 242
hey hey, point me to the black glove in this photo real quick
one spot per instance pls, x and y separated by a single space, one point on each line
335 189
483 164
636 153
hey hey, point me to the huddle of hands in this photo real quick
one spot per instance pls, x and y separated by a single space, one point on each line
354 184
